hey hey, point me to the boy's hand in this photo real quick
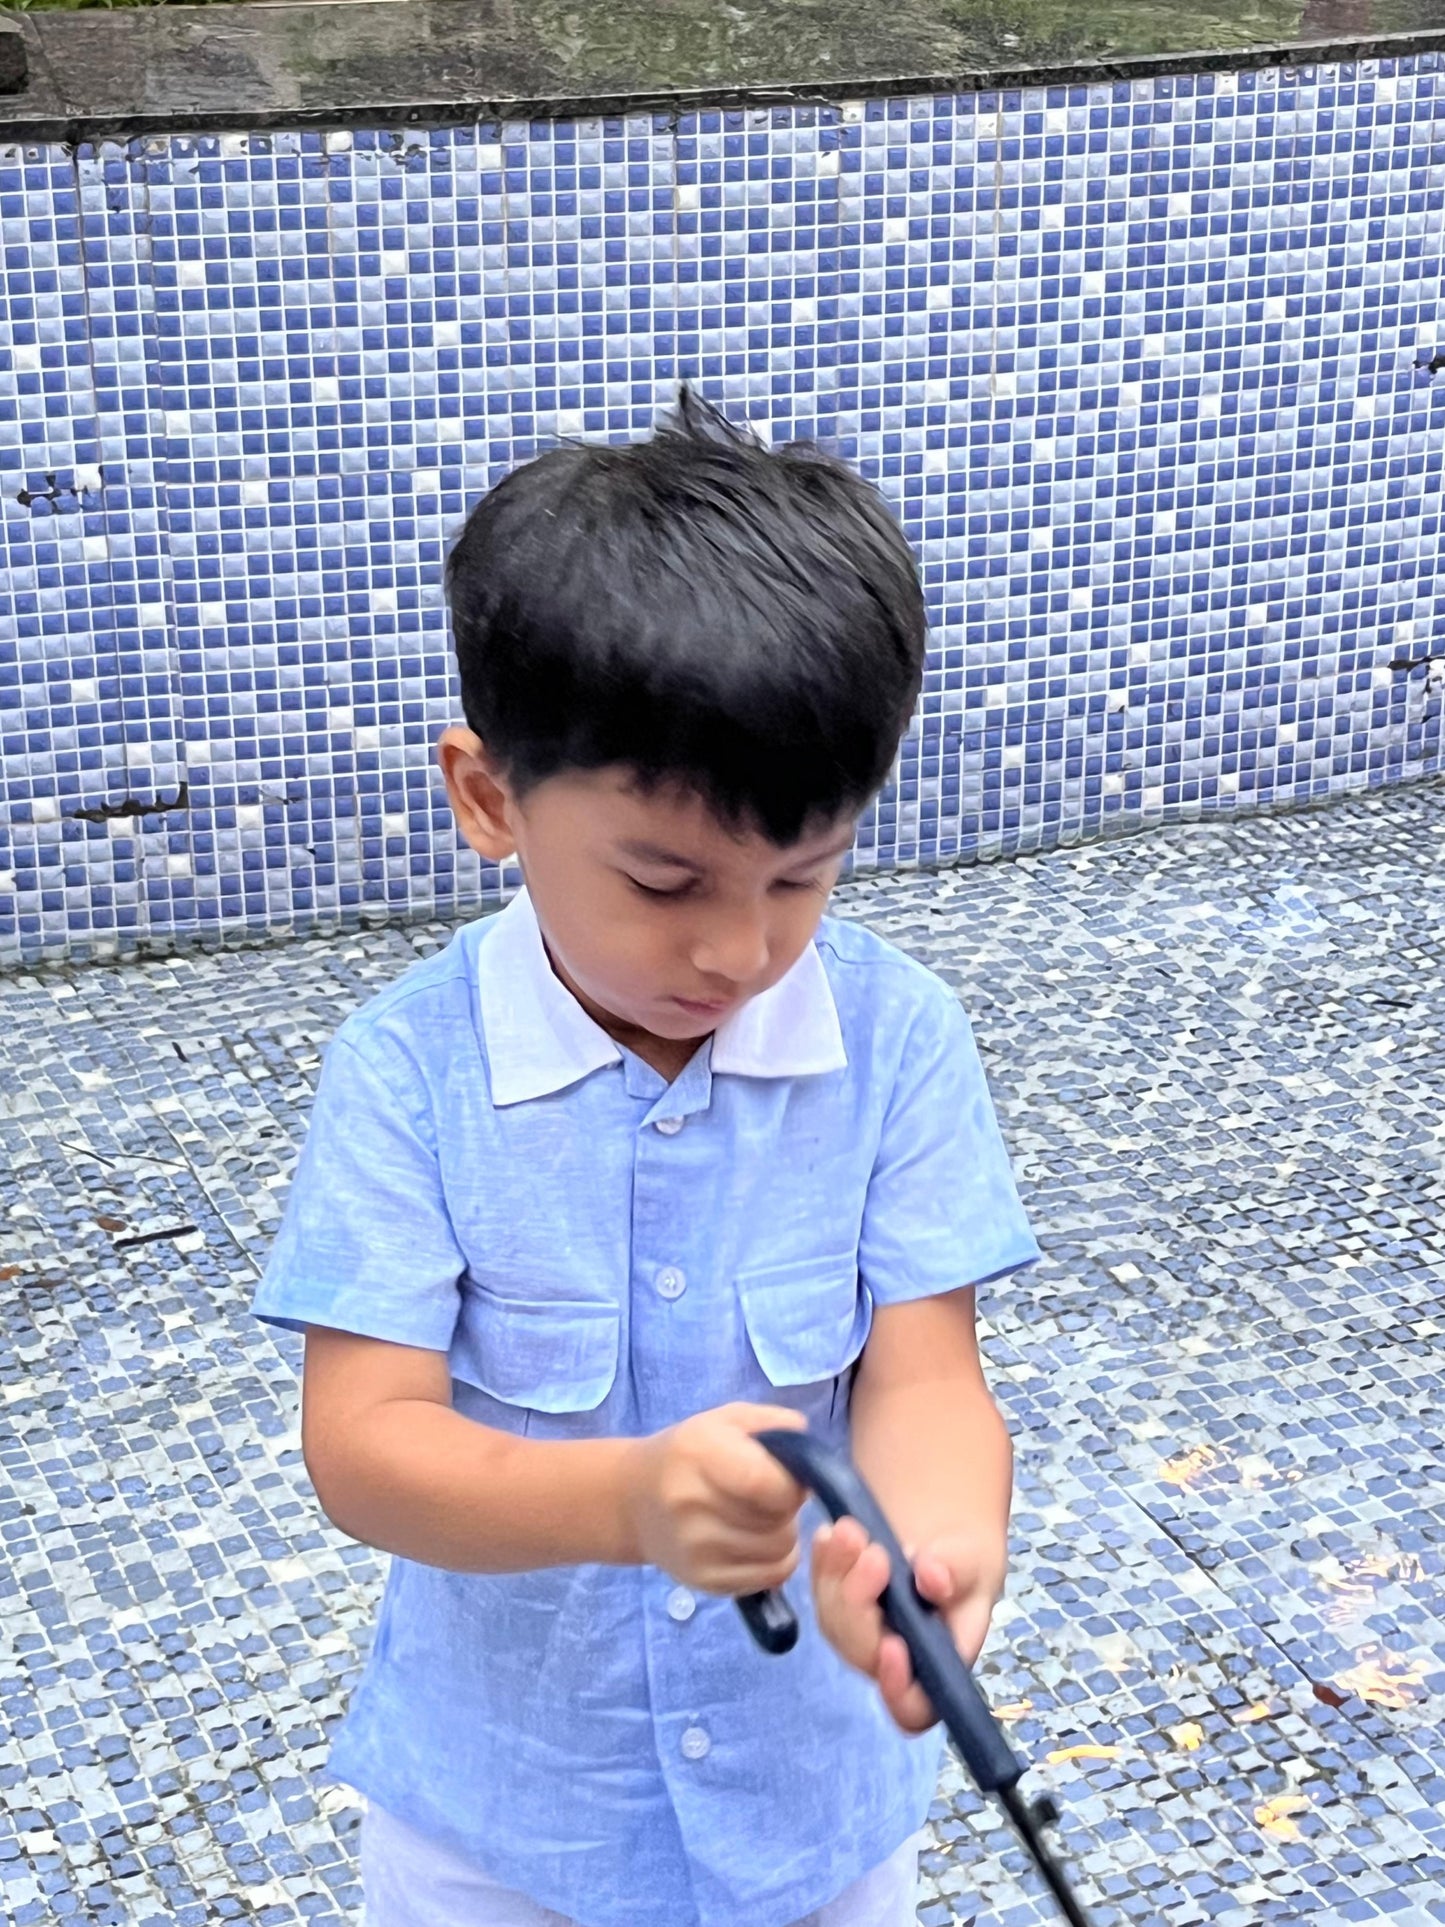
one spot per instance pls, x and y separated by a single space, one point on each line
713 1507
849 1573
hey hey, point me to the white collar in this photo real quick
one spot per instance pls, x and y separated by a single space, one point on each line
540 1040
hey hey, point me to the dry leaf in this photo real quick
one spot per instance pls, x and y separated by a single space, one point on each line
1017 1710
1261 1710
1276 1816
1383 1678
1193 1465
7 1272
1085 1753
1189 1737
111 1224
1328 1694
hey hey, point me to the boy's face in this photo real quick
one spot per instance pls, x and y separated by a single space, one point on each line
659 918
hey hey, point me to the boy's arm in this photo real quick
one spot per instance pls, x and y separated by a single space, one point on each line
395 1466
929 1440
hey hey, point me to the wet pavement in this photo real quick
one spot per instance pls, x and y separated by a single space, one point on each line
1218 1057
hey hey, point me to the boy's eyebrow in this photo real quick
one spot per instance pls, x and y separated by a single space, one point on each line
837 847
654 853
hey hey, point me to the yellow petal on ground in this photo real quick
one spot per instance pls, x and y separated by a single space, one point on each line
1189 1737
1016 1710
1085 1753
1261 1710
1276 1816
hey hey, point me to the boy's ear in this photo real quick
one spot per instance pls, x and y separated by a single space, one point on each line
480 799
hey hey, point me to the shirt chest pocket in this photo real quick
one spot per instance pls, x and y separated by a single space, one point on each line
807 1320
535 1353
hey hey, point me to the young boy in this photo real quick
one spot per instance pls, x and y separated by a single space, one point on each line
653 1159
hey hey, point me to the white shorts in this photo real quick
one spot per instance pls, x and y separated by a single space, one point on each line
410 1882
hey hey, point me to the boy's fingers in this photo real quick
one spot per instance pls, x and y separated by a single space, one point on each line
839 1551
754 1502
762 1576
752 1419
833 1560
828 1562
848 1539
766 1418
848 1575
902 1695
760 1548
854 1639
969 1625
862 1587
751 1484
836 1554
935 1580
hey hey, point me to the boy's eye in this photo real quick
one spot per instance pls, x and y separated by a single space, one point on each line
671 892
654 890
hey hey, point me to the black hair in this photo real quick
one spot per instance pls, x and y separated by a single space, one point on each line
742 621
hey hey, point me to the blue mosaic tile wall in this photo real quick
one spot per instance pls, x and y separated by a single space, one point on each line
1145 367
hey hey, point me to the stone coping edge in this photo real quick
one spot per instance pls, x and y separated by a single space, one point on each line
240 67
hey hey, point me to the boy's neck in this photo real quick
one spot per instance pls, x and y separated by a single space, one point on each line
668 1056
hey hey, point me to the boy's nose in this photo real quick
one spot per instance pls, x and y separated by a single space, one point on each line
736 951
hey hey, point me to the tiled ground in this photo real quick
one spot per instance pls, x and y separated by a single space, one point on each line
1218 1055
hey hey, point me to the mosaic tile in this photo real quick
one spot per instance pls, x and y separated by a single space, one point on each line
1145 367
1215 1053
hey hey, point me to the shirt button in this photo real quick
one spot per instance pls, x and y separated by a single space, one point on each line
669 1126
680 1604
671 1282
695 1744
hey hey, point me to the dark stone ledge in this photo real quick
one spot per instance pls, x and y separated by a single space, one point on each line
338 63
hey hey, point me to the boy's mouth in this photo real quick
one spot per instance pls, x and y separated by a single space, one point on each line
696 1009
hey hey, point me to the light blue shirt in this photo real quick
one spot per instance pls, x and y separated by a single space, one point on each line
602 1254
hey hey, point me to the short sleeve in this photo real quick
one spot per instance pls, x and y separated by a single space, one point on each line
366 1243
942 1209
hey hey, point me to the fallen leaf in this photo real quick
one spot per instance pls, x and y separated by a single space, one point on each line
1261 1710
1383 1678
1276 1816
1085 1753
7 1272
1017 1710
1189 1737
1328 1694
111 1224
1195 1464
